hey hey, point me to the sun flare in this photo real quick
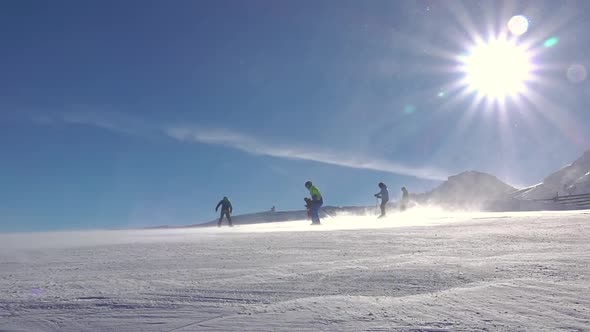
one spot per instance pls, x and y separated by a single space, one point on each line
497 69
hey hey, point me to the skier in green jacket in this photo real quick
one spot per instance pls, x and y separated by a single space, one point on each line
316 202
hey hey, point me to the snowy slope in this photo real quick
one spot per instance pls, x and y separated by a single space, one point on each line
279 216
471 272
282 216
570 179
261 217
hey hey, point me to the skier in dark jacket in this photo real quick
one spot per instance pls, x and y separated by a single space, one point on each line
403 204
384 195
226 209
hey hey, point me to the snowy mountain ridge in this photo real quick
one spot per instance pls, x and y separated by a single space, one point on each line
468 189
571 179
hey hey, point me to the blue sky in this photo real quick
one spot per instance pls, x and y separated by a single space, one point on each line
137 113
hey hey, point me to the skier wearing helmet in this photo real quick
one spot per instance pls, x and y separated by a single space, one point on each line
316 202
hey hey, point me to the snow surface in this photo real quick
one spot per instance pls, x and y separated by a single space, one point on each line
421 271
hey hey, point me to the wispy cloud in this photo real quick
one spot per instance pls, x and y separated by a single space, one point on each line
112 121
117 122
96 120
255 146
235 140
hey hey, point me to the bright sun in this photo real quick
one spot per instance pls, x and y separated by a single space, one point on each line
497 69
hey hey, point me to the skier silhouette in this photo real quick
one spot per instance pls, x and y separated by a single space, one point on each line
384 195
226 210
405 199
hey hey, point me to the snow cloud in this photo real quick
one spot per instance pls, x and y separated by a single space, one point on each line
258 147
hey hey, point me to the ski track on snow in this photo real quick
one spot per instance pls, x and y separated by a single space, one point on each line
480 272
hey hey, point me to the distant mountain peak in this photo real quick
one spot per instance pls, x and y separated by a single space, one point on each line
584 159
471 174
568 180
468 189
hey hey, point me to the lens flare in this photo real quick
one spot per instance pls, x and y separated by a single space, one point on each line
409 109
518 25
576 73
551 42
